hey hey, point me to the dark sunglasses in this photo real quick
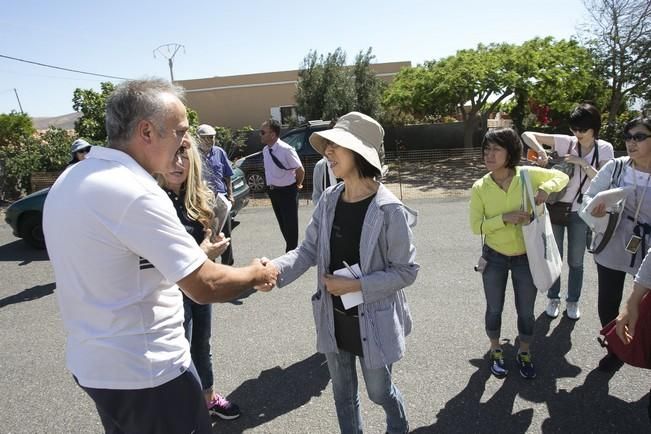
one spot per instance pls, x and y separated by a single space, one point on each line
637 137
83 151
579 130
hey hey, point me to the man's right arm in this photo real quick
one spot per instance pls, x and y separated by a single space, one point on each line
216 283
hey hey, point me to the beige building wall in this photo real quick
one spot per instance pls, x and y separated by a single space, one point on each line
241 100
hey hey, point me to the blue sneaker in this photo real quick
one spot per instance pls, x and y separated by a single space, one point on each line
526 366
497 363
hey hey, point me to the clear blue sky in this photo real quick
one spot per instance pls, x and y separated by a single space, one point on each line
237 37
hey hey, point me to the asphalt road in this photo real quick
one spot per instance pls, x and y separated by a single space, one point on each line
264 350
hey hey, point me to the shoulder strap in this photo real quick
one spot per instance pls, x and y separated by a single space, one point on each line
617 171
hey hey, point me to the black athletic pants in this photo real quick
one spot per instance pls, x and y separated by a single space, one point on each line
611 288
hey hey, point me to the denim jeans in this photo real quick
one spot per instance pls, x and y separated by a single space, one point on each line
381 391
494 277
198 324
576 237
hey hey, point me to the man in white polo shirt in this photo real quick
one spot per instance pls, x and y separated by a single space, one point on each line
119 251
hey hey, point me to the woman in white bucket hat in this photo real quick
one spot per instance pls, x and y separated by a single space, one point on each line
360 239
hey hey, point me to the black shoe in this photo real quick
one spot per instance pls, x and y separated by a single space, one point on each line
497 363
526 365
610 363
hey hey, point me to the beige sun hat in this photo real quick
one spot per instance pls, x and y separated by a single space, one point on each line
355 131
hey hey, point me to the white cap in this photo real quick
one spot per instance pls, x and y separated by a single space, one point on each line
206 130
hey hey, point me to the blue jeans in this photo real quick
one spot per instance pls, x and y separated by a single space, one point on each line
576 237
494 277
198 325
381 391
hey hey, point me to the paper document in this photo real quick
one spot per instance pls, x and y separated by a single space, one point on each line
351 299
222 209
611 198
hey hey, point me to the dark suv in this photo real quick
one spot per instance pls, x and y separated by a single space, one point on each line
253 165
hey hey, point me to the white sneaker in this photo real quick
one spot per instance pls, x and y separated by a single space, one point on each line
553 307
572 310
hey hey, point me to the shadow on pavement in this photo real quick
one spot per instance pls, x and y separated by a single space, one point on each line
238 301
29 294
18 250
585 409
276 392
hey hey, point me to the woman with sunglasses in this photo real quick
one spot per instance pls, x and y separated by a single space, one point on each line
627 247
78 150
587 153
194 204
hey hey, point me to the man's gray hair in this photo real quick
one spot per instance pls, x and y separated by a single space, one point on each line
133 101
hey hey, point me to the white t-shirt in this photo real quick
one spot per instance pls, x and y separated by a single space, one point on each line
568 145
117 248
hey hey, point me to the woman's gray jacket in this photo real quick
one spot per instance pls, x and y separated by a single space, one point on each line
388 263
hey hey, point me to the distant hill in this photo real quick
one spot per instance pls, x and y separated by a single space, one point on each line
67 122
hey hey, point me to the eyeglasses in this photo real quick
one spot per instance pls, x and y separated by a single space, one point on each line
579 130
83 151
637 137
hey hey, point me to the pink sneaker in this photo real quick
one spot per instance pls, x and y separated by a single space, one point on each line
223 408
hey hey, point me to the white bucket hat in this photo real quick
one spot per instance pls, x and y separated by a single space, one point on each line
355 131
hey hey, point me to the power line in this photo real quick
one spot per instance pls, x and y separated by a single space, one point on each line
62 68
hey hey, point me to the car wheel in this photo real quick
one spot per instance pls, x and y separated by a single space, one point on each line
31 230
256 182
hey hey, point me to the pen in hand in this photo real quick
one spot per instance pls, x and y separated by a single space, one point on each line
350 270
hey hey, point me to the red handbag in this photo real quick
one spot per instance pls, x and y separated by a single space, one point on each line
638 351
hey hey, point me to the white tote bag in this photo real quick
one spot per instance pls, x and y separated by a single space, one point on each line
545 260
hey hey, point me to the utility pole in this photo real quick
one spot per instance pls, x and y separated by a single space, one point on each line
19 104
168 51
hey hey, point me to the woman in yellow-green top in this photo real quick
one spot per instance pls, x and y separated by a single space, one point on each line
496 212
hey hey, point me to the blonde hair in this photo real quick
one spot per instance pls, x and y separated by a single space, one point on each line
199 200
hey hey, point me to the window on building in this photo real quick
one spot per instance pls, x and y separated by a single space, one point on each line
288 115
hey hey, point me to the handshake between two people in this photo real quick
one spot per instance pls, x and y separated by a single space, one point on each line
335 285
266 274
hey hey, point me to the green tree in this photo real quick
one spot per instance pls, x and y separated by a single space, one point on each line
15 128
368 86
325 87
469 83
561 74
92 105
619 33
233 141
50 152
475 82
328 88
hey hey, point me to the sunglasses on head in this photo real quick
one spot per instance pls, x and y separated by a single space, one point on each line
637 137
579 130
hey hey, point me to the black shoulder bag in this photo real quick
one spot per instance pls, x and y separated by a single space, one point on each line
559 212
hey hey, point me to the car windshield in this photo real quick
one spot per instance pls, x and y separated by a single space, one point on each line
297 140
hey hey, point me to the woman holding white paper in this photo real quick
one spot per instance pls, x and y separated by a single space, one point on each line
359 228
629 243
496 212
